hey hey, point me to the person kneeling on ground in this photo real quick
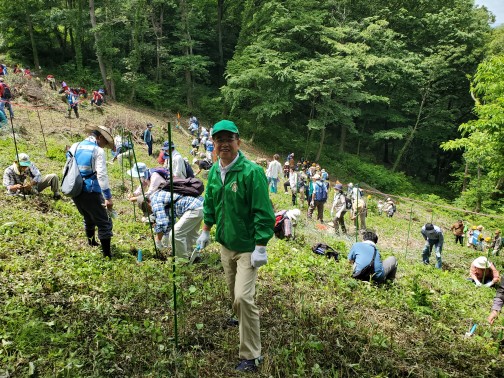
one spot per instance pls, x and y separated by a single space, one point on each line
483 272
497 302
361 255
23 177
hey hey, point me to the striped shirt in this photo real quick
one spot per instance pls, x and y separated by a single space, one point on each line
160 202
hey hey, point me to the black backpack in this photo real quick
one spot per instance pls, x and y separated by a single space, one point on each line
188 169
185 186
278 229
325 250
348 203
7 94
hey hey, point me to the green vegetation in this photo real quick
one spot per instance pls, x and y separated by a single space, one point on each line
68 312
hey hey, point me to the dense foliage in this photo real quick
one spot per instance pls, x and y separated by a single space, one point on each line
384 80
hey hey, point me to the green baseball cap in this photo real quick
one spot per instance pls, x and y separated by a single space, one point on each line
225 125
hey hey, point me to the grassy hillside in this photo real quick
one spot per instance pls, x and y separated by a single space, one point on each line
68 312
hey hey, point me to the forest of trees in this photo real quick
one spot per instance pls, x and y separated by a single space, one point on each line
387 80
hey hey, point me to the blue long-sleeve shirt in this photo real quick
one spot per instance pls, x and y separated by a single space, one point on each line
160 202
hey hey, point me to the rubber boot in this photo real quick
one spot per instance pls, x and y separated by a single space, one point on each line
105 244
90 234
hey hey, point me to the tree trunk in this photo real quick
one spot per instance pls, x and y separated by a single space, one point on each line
477 208
78 39
321 144
34 45
158 32
386 152
220 11
108 85
412 133
466 177
187 52
343 136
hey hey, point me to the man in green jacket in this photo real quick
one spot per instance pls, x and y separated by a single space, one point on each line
237 202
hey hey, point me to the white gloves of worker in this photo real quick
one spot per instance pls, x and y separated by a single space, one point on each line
159 244
489 284
477 283
259 257
203 240
165 241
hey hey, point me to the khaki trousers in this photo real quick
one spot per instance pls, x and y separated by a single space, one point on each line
49 181
186 232
241 279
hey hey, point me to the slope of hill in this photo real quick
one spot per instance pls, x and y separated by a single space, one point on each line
68 312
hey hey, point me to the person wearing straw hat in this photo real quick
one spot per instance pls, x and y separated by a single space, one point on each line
237 202
24 177
96 196
483 272
497 302
433 236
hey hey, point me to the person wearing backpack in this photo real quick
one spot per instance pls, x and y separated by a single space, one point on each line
95 200
178 162
237 202
6 97
189 212
23 177
147 138
339 209
318 198
367 263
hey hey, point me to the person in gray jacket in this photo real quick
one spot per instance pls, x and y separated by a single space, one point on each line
497 302
433 236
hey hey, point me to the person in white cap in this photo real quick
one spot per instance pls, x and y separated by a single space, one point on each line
152 180
24 177
96 196
483 272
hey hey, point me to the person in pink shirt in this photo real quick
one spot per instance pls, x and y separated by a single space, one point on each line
483 272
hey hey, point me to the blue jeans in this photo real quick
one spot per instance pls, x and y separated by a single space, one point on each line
273 184
427 252
6 104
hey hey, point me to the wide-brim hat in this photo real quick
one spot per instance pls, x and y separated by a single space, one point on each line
481 262
293 214
105 131
138 170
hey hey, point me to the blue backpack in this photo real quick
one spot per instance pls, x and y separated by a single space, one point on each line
320 192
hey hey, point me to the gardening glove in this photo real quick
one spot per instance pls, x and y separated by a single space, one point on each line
259 257
203 240
159 244
312 203
477 283
165 241
489 284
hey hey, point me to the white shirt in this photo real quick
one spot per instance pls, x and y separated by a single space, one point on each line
225 170
274 169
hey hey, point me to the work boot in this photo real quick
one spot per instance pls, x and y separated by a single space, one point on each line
105 243
90 234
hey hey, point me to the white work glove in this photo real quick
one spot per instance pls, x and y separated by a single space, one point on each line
165 241
259 257
203 240
489 284
159 244
477 283
312 203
